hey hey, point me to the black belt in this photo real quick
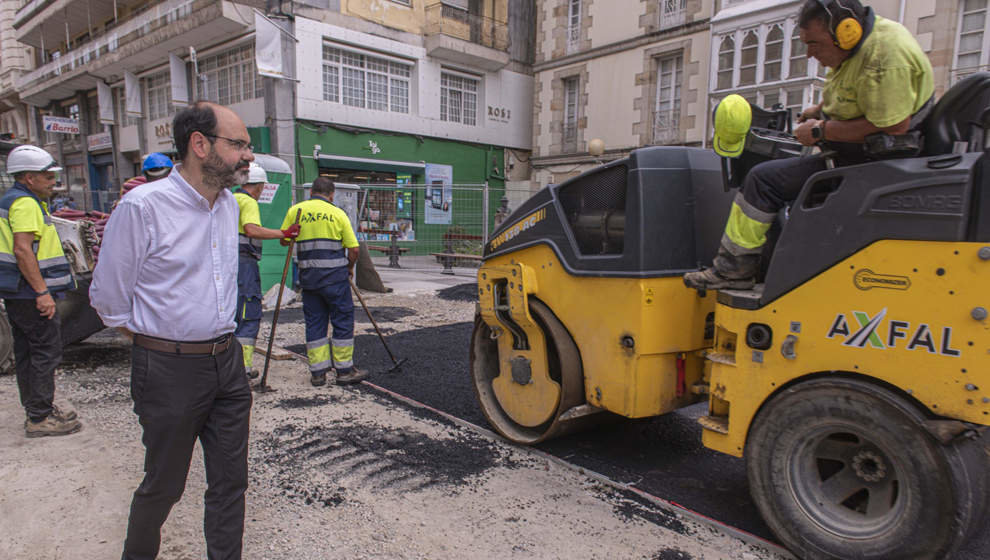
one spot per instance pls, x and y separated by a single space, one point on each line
206 347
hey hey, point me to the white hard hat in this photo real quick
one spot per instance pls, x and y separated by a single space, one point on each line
256 174
30 158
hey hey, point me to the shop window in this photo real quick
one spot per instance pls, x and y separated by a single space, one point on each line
774 53
365 81
667 118
726 61
458 99
230 77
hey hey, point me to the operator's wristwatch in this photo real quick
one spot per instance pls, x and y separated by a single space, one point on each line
818 132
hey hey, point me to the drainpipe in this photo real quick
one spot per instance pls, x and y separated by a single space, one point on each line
900 12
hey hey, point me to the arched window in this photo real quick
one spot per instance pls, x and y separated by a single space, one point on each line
799 56
726 60
774 54
747 63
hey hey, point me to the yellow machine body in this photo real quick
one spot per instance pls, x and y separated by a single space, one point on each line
632 334
908 314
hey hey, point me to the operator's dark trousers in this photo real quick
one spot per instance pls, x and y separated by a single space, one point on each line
773 184
37 352
179 398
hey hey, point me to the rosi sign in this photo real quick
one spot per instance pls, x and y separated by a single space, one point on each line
61 125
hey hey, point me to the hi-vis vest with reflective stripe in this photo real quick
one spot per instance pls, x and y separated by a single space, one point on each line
320 245
48 249
247 246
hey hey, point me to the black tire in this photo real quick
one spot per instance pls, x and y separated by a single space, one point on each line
841 468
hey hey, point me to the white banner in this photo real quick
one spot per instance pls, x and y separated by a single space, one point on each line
101 141
104 99
439 194
132 95
61 125
179 81
267 47
268 193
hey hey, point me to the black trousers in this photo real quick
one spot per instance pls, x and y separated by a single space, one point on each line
773 184
37 352
179 398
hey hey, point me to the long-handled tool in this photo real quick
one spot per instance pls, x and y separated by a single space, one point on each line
396 364
262 386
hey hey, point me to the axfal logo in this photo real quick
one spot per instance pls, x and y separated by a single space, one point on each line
859 330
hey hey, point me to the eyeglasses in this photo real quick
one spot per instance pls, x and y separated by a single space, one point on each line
240 145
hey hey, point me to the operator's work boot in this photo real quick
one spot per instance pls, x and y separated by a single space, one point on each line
353 376
730 272
52 425
65 412
252 373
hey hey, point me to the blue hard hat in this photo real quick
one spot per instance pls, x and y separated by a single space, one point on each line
156 160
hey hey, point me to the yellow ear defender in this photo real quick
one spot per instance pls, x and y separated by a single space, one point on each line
846 31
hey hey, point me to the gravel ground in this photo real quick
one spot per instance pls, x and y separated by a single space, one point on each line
335 472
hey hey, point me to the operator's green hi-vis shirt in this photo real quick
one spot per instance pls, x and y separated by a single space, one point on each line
887 80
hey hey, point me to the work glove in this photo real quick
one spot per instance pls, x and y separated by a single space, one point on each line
291 233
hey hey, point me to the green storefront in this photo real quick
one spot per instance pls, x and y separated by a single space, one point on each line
381 158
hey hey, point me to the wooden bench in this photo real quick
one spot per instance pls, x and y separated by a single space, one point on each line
448 257
392 250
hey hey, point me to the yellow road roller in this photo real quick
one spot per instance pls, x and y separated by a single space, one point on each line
854 379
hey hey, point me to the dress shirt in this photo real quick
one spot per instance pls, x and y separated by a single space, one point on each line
168 263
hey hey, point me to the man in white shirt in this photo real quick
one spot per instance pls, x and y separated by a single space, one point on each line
167 277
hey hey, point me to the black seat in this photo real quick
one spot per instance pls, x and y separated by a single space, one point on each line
952 117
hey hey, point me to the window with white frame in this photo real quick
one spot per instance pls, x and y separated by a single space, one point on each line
123 119
157 88
773 54
458 98
799 56
747 62
230 76
570 114
573 25
667 115
974 39
360 80
795 101
726 62
771 98
672 13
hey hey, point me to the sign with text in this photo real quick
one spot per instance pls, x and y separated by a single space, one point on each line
100 141
61 125
268 193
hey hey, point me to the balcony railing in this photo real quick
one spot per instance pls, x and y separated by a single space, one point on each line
458 23
960 73
141 24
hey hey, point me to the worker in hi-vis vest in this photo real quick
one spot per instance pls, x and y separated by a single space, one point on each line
326 252
250 233
33 270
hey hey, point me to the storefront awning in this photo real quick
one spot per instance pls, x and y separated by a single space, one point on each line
368 164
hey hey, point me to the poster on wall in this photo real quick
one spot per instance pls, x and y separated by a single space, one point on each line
439 194
268 193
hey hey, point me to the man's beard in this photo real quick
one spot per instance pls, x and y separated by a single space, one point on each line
218 175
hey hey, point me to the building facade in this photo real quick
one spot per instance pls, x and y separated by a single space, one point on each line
630 73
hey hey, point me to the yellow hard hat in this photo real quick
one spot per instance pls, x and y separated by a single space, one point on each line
733 117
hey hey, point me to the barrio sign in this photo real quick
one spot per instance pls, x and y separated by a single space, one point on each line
60 124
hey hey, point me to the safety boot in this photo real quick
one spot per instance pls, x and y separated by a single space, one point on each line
52 425
729 272
252 373
321 378
353 376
